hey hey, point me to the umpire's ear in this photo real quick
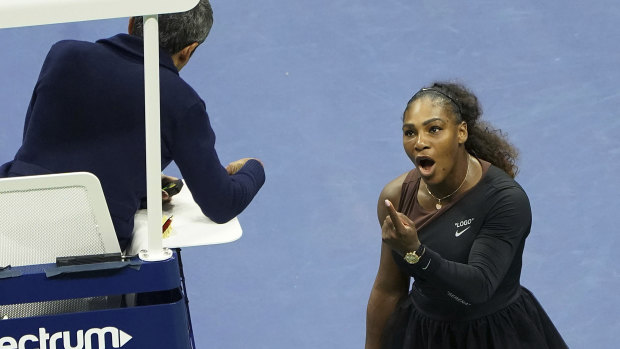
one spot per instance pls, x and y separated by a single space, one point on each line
130 26
181 58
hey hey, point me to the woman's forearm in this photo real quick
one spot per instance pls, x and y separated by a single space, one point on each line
381 304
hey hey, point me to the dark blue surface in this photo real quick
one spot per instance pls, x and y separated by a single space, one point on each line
152 326
155 326
124 277
316 90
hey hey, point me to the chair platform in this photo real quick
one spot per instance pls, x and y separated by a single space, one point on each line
141 327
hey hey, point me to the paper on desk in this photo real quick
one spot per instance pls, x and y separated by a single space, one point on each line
190 226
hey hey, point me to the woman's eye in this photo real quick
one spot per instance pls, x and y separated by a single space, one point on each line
434 129
408 133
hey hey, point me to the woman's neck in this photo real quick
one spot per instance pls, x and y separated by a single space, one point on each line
455 181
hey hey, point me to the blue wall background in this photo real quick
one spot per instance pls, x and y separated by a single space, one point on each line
316 90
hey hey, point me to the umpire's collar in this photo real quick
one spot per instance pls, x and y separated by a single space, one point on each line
134 46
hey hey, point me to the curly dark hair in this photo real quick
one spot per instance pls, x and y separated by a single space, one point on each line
177 30
483 141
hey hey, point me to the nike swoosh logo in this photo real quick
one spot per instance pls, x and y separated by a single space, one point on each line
458 233
426 267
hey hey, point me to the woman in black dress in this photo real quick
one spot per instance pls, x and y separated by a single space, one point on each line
458 229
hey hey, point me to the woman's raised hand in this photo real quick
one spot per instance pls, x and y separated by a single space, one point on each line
398 231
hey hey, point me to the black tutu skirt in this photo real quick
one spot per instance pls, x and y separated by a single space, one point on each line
523 324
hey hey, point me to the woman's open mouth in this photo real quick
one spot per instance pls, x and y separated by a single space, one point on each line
425 165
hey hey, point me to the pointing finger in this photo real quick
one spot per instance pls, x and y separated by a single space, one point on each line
398 224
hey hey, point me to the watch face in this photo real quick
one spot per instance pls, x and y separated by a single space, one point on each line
411 258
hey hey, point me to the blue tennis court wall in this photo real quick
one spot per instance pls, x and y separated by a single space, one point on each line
316 90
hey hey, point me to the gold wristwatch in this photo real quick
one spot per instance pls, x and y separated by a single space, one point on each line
414 256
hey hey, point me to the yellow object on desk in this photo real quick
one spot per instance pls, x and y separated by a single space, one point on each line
166 227
191 226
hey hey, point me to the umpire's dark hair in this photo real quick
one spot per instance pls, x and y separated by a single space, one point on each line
483 141
178 30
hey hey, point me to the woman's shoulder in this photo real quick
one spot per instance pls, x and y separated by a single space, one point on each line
392 191
499 186
499 179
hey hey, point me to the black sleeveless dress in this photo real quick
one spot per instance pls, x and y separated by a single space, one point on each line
466 291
